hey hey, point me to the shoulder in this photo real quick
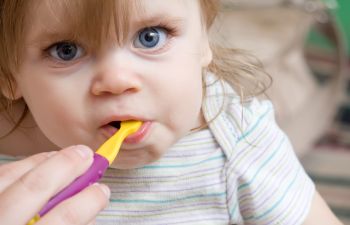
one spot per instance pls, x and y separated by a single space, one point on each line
270 183
231 119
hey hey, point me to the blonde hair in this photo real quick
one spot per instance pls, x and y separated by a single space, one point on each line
234 66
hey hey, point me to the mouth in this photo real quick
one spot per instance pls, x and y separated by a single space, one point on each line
112 127
109 129
115 124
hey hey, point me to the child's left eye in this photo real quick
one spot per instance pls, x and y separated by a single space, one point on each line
151 38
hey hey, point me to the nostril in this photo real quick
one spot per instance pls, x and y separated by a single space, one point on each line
115 124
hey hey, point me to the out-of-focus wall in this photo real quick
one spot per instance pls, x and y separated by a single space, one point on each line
276 34
339 133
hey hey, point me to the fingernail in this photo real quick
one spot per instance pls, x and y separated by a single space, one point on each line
104 189
83 151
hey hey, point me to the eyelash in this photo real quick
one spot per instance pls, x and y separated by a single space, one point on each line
172 31
60 63
169 27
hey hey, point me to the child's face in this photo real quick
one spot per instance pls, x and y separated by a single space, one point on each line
155 77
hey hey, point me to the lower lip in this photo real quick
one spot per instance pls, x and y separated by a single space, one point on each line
139 135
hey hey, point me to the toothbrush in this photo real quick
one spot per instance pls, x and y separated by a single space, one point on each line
103 157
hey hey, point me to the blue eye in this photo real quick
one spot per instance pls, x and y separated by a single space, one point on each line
152 37
66 51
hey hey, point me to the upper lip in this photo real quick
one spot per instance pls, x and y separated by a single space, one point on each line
120 118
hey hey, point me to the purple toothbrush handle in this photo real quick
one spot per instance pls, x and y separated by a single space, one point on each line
93 174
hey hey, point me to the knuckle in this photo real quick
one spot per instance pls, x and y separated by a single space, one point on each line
70 215
70 159
67 155
10 170
6 172
37 159
33 182
6 176
72 162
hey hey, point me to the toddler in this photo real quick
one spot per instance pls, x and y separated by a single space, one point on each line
208 151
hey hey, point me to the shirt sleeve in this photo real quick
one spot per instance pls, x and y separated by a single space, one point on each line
266 182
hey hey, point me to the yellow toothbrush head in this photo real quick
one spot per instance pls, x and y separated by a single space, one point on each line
111 147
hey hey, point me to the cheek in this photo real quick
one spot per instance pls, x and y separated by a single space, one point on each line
181 93
54 118
57 100
55 109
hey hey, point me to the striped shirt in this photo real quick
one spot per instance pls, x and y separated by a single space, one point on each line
241 170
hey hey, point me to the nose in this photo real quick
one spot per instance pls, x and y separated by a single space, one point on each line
116 75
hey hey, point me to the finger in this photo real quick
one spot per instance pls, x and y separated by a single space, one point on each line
29 193
92 222
13 171
80 209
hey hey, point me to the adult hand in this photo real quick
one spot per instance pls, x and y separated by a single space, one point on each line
26 185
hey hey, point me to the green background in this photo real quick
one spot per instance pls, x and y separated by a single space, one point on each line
342 15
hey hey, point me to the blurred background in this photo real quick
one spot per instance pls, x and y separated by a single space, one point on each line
303 45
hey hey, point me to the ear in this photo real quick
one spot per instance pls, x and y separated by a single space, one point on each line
13 94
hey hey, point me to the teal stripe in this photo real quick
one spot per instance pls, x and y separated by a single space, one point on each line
279 201
142 201
254 126
264 164
184 165
234 209
283 196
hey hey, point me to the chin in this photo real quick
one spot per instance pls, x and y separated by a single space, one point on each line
127 165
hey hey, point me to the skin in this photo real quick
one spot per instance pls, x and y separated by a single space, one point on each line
31 182
69 101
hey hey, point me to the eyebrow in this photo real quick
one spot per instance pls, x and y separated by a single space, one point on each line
47 37
146 20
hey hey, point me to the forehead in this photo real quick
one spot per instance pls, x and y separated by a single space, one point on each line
77 16
55 11
181 7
